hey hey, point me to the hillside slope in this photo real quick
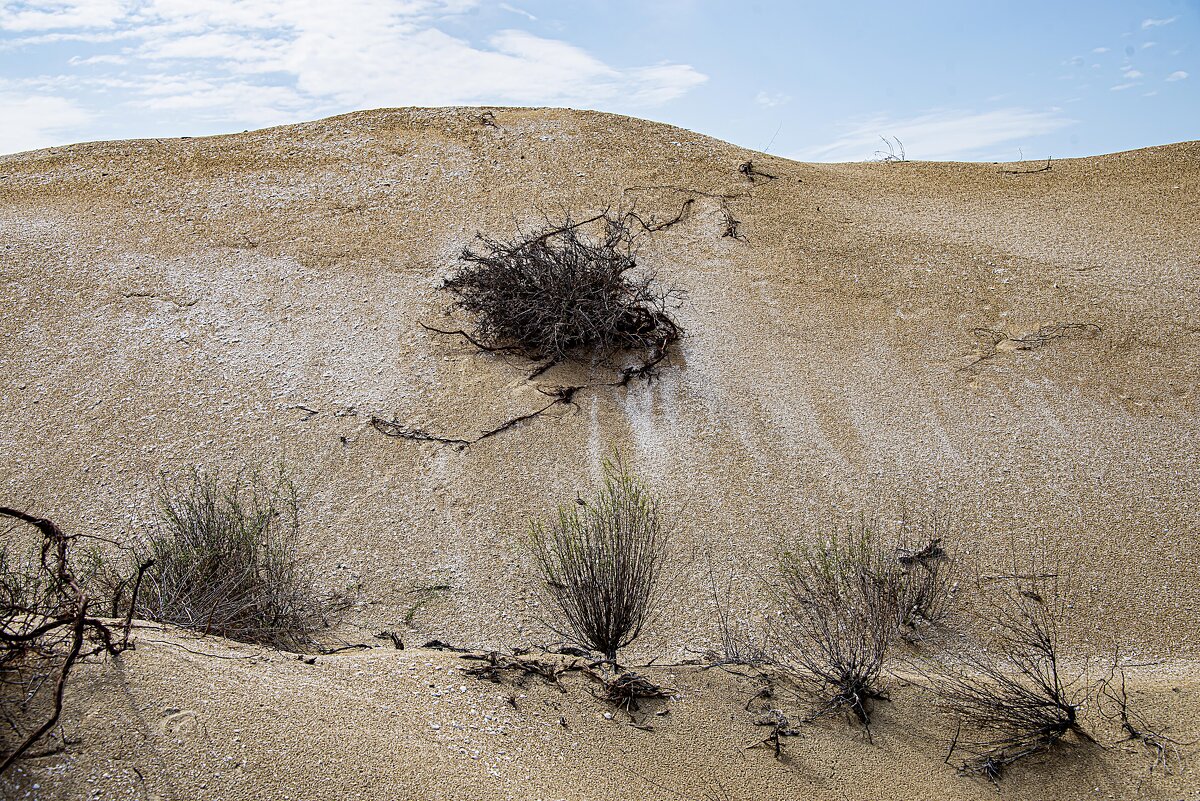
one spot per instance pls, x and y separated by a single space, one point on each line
257 297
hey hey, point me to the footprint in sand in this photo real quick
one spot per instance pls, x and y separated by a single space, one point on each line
181 724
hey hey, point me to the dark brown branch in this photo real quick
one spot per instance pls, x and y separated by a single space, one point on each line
473 341
63 594
59 688
750 171
1044 168
137 585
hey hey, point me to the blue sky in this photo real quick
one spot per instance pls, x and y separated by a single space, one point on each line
814 81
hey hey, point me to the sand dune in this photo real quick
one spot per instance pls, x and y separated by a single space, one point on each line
256 297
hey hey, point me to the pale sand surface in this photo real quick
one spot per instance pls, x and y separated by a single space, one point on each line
167 303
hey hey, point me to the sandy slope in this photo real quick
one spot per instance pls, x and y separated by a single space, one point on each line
171 302
208 720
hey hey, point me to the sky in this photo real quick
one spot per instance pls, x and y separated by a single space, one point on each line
822 81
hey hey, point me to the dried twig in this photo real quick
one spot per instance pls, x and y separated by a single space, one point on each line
497 664
42 608
990 340
1166 752
1044 168
891 156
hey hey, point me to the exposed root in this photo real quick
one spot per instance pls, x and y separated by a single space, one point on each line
627 688
1166 752
990 340
498 664
42 614
559 395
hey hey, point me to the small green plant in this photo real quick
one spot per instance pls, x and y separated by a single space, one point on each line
602 563
841 599
224 560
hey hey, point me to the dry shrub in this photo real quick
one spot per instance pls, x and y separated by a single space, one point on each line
225 562
45 628
602 562
841 603
1013 701
742 643
562 293
925 552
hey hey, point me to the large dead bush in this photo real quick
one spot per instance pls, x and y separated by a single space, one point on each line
567 292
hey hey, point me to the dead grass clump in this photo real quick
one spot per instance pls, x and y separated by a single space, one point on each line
225 562
841 608
741 642
564 294
1013 701
602 562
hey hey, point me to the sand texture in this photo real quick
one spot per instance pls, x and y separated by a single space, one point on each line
257 298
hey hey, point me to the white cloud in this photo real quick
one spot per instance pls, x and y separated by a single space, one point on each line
1099 49
1147 45
34 121
59 14
1178 75
1122 86
1151 93
280 60
1156 23
522 12
1131 74
771 99
78 61
939 135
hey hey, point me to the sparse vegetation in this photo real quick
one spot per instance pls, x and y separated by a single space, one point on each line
929 583
894 153
1013 701
602 561
842 606
225 562
741 644
567 292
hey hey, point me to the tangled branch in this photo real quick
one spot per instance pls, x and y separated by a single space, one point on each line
44 625
562 295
